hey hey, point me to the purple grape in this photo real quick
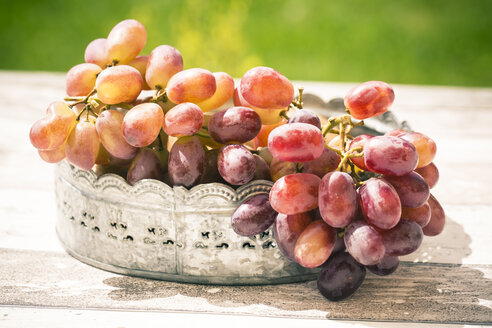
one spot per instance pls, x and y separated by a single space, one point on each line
411 188
146 165
390 155
305 116
386 266
253 216
236 164
327 162
437 220
364 243
262 171
186 164
337 199
235 124
286 230
341 277
430 173
403 239
380 203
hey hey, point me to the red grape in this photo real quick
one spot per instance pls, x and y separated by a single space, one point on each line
421 215
253 216
359 141
403 239
386 266
380 203
286 230
296 142
305 116
186 164
146 165
337 199
184 119
164 62
295 193
437 220
390 155
315 244
327 162
236 164
364 243
411 188
142 124
369 99
430 173
235 124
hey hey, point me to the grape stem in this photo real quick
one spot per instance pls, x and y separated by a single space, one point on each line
348 155
160 95
83 101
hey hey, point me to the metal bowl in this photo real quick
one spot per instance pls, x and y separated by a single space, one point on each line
156 231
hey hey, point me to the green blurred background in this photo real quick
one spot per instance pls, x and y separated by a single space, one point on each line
443 42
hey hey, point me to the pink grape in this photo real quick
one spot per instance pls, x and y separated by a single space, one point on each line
119 84
380 203
359 141
164 62
142 124
125 41
51 131
327 162
81 79
426 147
369 99
223 92
295 193
109 128
421 215
411 188
184 119
337 199
386 266
286 230
95 53
430 173
192 85
186 162
83 145
305 116
390 155
296 142
140 64
403 239
264 87
235 124
146 165
340 277
315 244
53 155
236 164
253 216
437 220
364 243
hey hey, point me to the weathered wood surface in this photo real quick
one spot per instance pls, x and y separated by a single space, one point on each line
451 281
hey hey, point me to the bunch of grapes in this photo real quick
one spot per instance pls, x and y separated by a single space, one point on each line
350 204
368 195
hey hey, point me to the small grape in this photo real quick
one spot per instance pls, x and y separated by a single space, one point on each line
390 155
164 62
119 84
192 85
253 216
82 145
109 128
142 123
426 147
305 116
184 119
235 124
337 199
95 53
364 243
403 239
341 277
296 142
264 87
125 41
411 188
295 193
359 141
327 162
430 173
369 99
81 79
186 164
437 220
315 244
380 203
421 214
286 230
386 266
146 165
236 164
223 92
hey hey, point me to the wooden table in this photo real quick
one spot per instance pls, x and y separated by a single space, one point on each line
447 282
